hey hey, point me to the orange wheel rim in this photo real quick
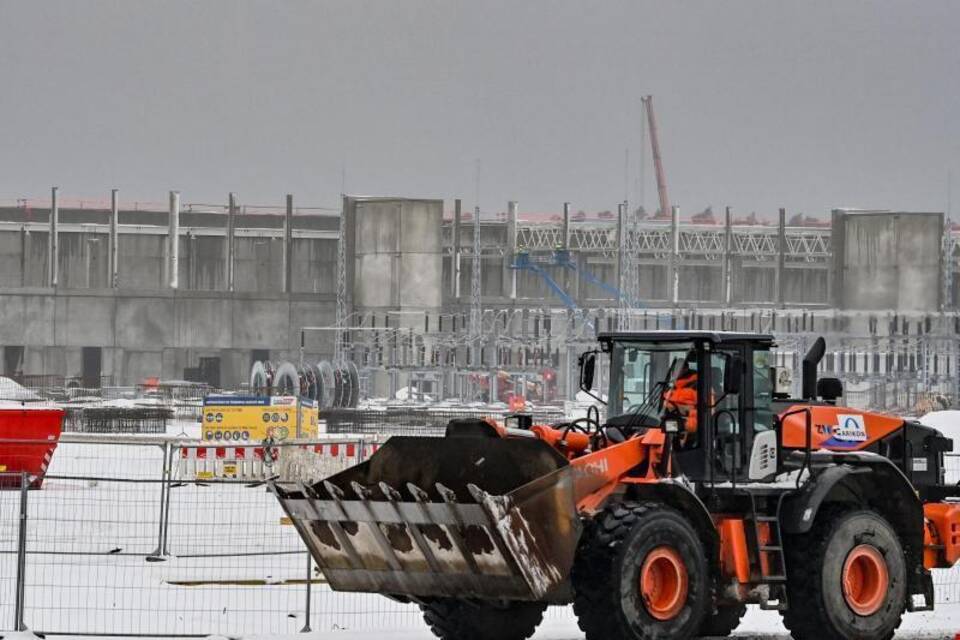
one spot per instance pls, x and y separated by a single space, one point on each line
865 580
663 583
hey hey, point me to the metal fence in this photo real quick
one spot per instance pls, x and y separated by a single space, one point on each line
426 420
96 419
135 536
167 537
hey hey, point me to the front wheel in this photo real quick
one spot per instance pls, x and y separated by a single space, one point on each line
640 573
451 619
847 579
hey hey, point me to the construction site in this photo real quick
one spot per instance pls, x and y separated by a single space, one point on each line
425 299
345 321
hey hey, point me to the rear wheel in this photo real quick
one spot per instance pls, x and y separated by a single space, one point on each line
640 572
451 619
847 579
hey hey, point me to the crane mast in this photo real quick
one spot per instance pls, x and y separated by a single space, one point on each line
665 208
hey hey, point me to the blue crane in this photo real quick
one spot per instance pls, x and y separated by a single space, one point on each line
561 258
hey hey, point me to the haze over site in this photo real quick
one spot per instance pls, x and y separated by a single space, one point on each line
807 105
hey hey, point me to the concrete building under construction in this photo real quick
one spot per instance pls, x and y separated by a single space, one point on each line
108 292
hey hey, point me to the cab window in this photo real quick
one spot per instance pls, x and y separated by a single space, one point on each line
762 391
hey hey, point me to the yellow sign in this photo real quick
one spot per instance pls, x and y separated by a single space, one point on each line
247 419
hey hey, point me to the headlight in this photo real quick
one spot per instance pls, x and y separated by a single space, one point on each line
671 426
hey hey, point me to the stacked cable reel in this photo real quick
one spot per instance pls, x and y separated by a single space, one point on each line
331 387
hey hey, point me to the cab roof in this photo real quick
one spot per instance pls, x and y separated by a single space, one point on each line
671 335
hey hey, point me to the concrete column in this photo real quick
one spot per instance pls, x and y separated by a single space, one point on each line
114 238
228 249
455 263
621 251
509 273
565 245
727 256
53 242
288 246
173 241
781 257
675 255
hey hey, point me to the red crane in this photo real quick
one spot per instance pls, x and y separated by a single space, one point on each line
665 209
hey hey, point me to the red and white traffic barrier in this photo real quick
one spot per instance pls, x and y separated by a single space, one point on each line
201 462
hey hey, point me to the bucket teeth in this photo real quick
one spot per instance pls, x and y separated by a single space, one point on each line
333 490
418 494
478 494
389 492
360 490
447 494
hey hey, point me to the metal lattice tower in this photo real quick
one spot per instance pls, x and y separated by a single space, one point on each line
476 311
632 291
339 345
623 266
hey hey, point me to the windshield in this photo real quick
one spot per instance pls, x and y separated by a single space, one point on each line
638 367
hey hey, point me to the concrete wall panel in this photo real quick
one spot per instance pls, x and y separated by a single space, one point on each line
375 287
314 267
35 266
378 227
888 260
312 314
203 323
11 257
83 321
142 262
144 321
202 263
420 222
258 265
260 324
420 278
140 365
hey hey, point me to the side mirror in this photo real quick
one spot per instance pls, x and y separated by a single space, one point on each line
588 365
732 375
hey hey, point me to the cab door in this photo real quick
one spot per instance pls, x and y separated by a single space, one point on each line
729 438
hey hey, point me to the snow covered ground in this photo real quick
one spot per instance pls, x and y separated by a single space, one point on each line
232 567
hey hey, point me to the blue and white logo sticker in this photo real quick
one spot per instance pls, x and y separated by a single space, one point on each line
850 428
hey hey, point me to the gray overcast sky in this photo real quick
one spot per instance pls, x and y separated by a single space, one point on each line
807 105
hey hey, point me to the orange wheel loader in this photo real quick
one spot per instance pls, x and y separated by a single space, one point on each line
663 519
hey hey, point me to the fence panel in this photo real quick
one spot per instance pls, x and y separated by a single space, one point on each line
9 527
120 542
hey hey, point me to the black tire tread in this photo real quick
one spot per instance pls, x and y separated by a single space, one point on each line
599 547
804 618
451 619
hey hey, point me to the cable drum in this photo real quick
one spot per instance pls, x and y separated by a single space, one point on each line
354 378
287 380
341 391
311 383
328 386
261 378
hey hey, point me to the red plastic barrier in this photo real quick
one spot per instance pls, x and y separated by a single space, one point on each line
40 431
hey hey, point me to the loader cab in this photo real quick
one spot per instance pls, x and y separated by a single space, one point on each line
716 385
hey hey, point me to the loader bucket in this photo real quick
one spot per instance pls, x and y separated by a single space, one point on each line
443 517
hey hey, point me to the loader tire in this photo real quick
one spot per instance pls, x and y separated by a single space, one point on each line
847 578
451 619
640 573
722 623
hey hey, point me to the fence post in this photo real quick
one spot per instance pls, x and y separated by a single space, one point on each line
18 623
161 551
306 622
168 483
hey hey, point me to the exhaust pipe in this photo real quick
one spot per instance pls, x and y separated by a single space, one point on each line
810 363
